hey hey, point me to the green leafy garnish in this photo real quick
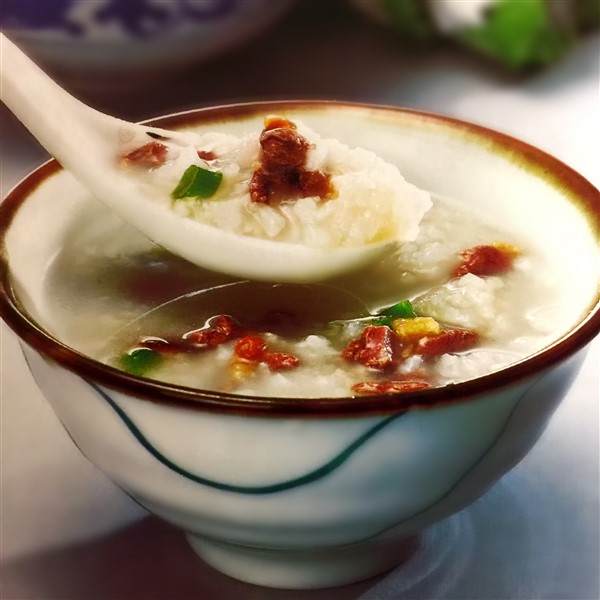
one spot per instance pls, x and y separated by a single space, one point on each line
383 321
401 310
139 361
197 182
520 33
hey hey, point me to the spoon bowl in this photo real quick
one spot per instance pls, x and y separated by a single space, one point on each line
85 142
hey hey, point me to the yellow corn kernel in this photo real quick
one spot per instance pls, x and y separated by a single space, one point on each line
417 327
240 369
508 249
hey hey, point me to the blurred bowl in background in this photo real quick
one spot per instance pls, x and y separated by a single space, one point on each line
516 34
92 43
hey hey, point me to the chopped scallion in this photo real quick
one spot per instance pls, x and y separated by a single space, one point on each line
401 310
387 321
139 361
197 182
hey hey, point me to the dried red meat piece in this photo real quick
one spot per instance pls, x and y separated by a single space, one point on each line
315 183
351 351
250 347
221 329
376 347
278 361
206 155
152 154
281 173
374 388
484 260
282 149
259 187
451 340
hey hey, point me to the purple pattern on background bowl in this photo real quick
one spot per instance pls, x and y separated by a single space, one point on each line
33 14
138 18
213 9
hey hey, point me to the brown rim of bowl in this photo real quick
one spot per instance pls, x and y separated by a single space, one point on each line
557 173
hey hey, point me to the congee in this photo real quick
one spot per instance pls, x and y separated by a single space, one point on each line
285 184
456 299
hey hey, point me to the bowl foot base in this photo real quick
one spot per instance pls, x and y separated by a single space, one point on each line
303 569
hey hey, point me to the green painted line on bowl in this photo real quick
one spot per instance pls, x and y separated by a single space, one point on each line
310 477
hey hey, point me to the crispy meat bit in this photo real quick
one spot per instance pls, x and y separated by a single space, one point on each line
375 388
280 361
282 150
152 154
486 260
452 340
250 347
281 173
376 348
206 155
315 184
221 329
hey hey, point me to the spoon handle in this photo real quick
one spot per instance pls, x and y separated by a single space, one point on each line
89 144
69 130
60 122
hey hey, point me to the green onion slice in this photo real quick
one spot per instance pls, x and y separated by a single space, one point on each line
402 310
197 182
139 361
386 321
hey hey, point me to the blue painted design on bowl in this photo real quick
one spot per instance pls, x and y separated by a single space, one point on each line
315 475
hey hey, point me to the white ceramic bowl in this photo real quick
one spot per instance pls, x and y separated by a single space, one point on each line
100 42
320 492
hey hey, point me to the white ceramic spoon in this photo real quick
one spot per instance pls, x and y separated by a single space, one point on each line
86 143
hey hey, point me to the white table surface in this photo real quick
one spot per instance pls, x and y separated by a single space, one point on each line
69 534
